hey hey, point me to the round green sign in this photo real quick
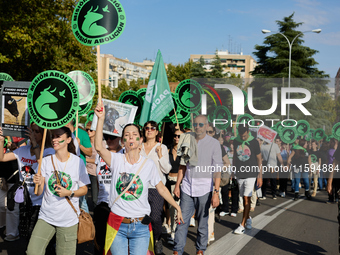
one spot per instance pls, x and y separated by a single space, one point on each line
288 135
245 98
278 127
319 134
86 86
189 95
182 115
288 123
96 22
302 127
131 97
245 118
83 109
141 92
5 77
222 113
90 115
52 99
336 131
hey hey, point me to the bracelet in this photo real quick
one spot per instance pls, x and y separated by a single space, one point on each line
216 191
35 147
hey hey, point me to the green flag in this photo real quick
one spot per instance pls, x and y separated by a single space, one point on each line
158 100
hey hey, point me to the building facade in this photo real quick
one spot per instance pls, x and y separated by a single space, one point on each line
238 64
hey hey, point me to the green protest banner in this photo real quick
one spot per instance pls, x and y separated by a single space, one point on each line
189 95
245 118
319 134
96 22
158 100
288 135
52 99
302 127
222 113
336 131
86 86
131 97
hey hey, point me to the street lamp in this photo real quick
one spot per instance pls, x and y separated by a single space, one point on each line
265 31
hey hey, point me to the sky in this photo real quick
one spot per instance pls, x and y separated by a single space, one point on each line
180 28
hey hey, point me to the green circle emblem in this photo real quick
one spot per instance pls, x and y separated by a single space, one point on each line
86 85
245 118
302 127
136 189
65 181
52 99
319 134
288 135
221 112
96 22
83 109
5 77
90 115
141 92
336 131
189 95
131 97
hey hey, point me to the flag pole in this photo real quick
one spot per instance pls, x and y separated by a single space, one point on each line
98 75
77 124
40 159
177 126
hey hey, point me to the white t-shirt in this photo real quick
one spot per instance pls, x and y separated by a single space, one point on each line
265 148
104 176
56 210
28 166
76 145
134 203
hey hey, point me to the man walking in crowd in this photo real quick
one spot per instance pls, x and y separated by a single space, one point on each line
198 190
248 163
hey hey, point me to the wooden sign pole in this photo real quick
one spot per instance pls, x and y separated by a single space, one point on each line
40 159
98 75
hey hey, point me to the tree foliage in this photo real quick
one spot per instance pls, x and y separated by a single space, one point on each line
37 36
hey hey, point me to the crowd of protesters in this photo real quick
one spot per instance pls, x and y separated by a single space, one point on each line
145 178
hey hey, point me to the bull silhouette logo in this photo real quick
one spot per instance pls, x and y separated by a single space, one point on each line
90 26
42 104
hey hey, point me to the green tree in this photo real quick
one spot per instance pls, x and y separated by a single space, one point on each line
37 36
122 86
135 85
217 68
179 72
197 69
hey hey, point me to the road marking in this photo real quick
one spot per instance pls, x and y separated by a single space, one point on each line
232 244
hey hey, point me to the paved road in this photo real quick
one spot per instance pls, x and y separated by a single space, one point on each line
280 226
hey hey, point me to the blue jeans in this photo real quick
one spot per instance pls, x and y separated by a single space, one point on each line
132 237
189 205
304 177
83 204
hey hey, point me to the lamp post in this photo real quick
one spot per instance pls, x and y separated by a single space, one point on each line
265 31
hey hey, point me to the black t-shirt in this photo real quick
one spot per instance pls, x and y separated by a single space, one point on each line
223 151
174 163
315 156
7 169
245 161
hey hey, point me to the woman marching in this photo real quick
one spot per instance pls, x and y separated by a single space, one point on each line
27 163
64 175
128 223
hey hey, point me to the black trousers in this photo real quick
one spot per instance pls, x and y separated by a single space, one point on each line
272 185
225 207
100 216
156 202
283 184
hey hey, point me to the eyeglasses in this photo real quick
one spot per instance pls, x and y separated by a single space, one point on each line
200 124
148 128
177 136
87 130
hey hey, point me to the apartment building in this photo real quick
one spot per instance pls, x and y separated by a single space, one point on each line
238 64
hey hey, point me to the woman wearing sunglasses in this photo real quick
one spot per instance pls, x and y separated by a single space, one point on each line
128 223
27 162
63 174
152 149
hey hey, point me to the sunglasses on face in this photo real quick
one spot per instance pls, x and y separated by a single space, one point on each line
177 136
87 130
150 128
210 132
200 124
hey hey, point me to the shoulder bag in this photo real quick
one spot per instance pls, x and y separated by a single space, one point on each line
86 229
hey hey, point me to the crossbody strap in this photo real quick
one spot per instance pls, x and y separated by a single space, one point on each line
131 182
58 181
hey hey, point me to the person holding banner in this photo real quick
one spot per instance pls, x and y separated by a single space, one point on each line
129 223
64 175
158 152
28 164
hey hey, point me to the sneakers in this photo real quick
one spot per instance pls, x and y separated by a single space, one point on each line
11 238
240 211
212 237
296 196
233 214
314 194
158 247
223 213
240 230
262 198
171 240
192 222
282 194
274 197
248 223
252 209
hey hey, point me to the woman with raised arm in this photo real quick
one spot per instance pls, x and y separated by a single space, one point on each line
64 175
27 157
129 220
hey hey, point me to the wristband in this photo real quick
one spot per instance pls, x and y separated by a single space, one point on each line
216 191
35 147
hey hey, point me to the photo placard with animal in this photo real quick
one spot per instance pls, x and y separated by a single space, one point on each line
14 114
117 115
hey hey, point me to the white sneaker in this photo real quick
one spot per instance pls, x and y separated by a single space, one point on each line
240 230
223 214
233 214
248 223
282 194
192 222
263 198
212 237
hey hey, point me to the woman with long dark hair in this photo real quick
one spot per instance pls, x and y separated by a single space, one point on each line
129 221
63 174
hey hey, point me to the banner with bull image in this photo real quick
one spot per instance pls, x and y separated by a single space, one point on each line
117 115
14 113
